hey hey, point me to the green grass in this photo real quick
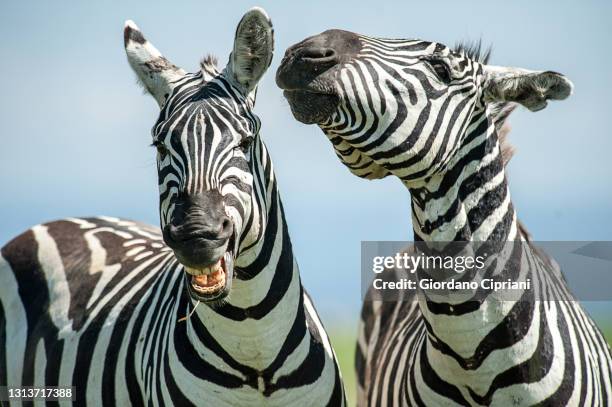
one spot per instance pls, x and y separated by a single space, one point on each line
344 342
607 331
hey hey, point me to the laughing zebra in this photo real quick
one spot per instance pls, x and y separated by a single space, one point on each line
433 117
218 316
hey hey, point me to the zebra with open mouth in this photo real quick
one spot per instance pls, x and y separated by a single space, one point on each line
210 311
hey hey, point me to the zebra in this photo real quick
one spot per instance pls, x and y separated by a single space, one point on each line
435 117
208 311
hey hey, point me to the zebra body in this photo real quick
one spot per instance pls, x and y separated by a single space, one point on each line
208 311
94 303
434 118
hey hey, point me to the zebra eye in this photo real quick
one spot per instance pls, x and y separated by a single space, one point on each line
161 148
245 143
441 69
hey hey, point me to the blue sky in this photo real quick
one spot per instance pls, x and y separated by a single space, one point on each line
75 127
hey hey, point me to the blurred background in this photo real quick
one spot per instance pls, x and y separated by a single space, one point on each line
75 126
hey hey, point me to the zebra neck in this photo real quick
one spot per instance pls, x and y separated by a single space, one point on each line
470 200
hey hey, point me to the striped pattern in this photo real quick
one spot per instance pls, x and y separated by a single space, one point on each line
95 303
216 160
398 114
395 116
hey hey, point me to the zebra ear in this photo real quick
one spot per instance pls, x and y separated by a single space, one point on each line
529 88
154 72
253 49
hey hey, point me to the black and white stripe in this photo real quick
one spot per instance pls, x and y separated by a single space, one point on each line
433 117
95 303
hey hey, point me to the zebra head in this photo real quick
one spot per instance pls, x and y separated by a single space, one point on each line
203 137
401 107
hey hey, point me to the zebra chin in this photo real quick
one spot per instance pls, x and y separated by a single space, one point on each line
211 284
311 107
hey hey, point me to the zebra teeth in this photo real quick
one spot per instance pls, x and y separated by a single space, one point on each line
193 272
204 270
208 280
209 284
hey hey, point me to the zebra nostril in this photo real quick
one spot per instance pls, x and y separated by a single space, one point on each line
226 223
318 54
226 228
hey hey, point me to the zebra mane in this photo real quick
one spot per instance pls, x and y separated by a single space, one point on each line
474 50
209 63
499 115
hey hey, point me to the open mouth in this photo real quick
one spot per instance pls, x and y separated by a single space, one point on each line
310 107
213 282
